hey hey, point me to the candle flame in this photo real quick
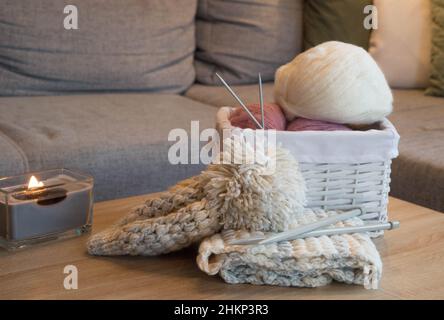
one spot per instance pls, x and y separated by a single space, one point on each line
34 183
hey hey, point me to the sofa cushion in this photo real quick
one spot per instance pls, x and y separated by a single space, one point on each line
133 45
405 100
13 161
218 96
240 38
418 172
122 140
401 45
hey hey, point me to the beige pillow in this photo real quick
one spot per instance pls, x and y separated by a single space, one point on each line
401 44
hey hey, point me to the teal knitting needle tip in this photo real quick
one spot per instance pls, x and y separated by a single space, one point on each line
239 101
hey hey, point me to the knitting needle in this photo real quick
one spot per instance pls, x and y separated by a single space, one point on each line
326 232
312 226
261 101
239 101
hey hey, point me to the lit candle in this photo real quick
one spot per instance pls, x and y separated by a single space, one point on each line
58 206
37 190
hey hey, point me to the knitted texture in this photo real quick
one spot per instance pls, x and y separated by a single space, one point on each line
255 195
310 262
233 195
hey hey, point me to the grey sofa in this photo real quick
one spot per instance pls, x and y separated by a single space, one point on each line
121 139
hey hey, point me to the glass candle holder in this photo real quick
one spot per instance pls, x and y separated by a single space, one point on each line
43 206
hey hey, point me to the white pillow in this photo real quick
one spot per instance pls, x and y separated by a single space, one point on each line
402 43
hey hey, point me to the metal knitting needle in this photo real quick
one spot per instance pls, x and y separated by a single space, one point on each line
239 101
326 232
261 101
312 226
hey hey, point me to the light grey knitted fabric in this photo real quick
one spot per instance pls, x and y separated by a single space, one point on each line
310 262
226 195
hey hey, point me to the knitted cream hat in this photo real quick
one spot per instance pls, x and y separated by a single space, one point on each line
236 194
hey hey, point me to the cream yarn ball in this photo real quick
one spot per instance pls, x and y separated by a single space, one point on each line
335 82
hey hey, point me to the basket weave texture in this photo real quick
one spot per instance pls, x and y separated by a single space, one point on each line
342 169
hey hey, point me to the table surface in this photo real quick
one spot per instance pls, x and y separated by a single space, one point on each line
413 258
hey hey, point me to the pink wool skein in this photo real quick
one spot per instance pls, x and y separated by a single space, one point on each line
303 124
273 117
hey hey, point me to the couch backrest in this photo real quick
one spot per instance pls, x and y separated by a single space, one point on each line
142 45
239 38
131 45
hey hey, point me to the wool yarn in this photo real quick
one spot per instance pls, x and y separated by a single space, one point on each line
273 117
334 82
309 262
303 124
230 195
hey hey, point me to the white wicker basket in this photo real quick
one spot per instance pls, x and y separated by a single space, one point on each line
342 169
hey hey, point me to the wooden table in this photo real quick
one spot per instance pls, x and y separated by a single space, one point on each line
413 258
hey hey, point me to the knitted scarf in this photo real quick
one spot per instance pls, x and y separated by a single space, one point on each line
310 262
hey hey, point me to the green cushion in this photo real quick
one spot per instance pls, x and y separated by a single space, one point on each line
436 87
340 20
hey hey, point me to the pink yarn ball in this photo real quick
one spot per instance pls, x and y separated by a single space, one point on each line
303 124
273 117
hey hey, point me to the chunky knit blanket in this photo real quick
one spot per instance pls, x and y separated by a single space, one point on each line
310 262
